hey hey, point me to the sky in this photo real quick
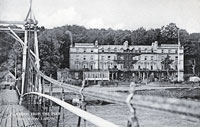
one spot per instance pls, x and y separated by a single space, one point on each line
115 14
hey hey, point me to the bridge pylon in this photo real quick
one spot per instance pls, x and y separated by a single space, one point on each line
29 25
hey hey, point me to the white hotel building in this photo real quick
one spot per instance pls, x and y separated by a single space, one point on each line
130 61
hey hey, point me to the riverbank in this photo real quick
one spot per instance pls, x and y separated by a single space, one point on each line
163 89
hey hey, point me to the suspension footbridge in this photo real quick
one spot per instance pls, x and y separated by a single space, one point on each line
29 105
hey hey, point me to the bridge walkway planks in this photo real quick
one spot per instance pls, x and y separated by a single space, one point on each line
14 115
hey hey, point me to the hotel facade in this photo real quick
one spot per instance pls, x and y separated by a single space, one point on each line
119 62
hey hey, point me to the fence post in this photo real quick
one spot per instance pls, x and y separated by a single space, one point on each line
133 120
62 97
42 103
50 92
82 104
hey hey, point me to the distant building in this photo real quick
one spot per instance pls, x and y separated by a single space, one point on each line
128 61
98 75
63 74
7 79
84 56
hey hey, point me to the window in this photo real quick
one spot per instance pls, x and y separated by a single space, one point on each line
108 49
136 50
139 67
115 57
109 57
77 57
92 50
77 65
84 50
84 57
102 67
162 51
138 57
169 51
121 57
145 58
162 58
151 67
162 67
102 57
91 57
139 50
176 51
151 57
115 49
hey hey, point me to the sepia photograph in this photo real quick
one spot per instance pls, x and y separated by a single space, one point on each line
99 63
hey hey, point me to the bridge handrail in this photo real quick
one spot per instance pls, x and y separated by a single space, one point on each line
85 115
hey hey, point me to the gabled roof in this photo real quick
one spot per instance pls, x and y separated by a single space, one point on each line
4 73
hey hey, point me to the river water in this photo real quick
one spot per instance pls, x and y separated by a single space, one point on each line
119 115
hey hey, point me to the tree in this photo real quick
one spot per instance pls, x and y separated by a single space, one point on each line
152 35
191 57
9 50
169 33
137 36
167 62
50 56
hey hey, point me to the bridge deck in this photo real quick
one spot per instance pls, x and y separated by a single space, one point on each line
14 115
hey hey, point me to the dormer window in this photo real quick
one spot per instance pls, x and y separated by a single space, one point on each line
102 49
151 57
139 50
108 49
84 50
115 49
